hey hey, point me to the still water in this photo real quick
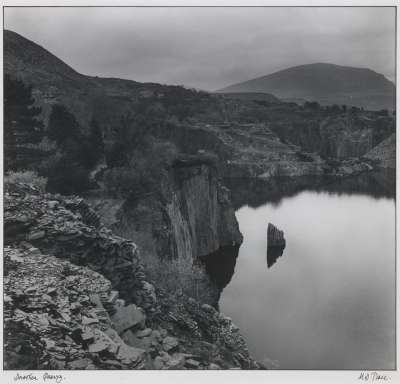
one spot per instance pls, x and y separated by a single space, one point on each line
329 301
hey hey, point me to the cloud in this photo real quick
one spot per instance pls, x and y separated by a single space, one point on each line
209 48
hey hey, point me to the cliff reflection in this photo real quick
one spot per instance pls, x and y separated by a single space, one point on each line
220 265
256 192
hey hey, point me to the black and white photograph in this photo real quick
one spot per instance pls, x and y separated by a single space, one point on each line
203 188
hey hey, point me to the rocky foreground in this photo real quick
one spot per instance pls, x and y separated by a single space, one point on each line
77 297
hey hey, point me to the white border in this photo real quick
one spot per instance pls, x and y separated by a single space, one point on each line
199 377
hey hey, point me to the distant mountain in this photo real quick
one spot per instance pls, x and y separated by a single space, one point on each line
325 83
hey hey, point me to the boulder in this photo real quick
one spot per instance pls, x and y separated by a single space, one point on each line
158 363
87 336
130 338
275 237
144 333
127 317
79 364
88 320
129 355
170 343
102 343
177 361
36 235
98 346
192 364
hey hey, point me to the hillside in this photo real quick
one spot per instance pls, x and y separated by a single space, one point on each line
326 84
170 113
251 132
53 81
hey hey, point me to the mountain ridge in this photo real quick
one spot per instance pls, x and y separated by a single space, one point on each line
325 83
54 81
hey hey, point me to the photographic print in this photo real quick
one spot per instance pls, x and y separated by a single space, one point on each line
199 188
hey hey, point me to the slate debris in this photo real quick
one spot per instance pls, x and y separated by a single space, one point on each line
75 330
72 335
76 297
69 228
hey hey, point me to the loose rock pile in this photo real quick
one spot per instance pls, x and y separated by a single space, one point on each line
61 305
76 297
55 225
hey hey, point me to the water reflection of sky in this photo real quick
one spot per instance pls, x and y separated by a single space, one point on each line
328 302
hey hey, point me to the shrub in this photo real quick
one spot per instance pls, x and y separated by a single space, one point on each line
302 156
68 177
178 275
147 166
73 154
21 126
45 145
62 124
120 180
311 105
382 112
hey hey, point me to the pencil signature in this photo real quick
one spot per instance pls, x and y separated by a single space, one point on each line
373 377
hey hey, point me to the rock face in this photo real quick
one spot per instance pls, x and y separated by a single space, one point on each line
62 312
289 143
342 135
275 237
384 153
188 217
276 244
245 149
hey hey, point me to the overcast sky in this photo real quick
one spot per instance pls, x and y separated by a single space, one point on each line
208 48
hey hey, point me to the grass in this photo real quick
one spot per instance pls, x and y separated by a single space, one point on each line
180 275
26 177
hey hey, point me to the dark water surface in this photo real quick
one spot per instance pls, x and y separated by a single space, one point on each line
328 302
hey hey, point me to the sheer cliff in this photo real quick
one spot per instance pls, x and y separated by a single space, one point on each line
189 215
